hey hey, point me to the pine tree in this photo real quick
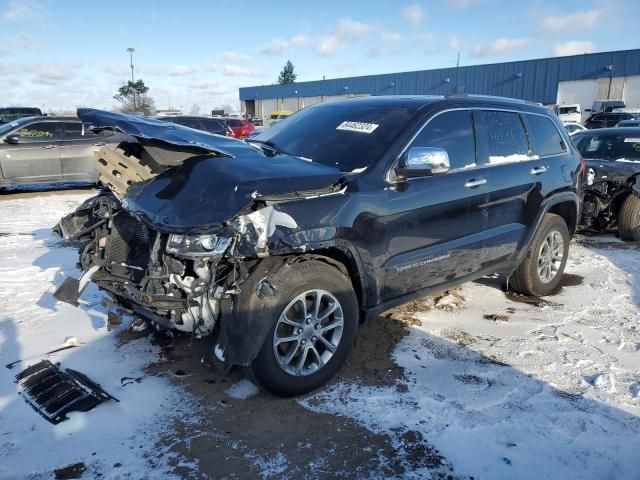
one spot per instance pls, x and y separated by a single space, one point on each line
287 75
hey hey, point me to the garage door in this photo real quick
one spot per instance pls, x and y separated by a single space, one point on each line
582 92
632 91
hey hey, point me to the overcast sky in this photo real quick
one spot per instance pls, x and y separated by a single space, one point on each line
64 54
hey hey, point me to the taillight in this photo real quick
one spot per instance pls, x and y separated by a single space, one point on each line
583 166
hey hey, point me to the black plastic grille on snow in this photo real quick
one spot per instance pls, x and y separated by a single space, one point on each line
53 392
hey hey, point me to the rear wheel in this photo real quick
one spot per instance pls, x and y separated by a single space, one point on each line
541 271
313 330
629 219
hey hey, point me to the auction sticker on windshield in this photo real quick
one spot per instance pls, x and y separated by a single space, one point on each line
632 140
360 127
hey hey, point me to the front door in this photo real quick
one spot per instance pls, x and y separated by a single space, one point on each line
434 234
36 156
76 152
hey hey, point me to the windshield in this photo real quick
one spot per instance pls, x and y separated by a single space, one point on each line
609 147
347 136
564 110
5 127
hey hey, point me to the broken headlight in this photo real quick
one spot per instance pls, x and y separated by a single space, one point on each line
197 246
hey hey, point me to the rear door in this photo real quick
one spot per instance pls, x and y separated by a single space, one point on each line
215 126
515 175
36 156
434 235
76 152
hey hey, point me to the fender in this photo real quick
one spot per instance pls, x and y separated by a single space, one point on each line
547 205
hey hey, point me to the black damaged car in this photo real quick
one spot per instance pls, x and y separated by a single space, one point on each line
281 246
612 190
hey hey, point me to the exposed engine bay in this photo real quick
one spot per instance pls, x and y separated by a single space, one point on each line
180 224
607 186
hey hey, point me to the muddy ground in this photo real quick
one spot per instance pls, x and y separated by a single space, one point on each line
248 438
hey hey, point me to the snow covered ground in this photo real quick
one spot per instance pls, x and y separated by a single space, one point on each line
114 437
507 389
502 388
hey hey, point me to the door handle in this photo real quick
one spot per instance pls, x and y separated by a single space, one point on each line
537 170
475 182
49 146
99 144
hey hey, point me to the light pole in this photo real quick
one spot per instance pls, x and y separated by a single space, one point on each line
131 50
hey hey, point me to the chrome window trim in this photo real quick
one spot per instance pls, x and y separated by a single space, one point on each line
519 112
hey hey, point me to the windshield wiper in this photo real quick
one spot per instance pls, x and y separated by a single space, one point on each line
270 144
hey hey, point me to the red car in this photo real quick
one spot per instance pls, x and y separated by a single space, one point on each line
241 128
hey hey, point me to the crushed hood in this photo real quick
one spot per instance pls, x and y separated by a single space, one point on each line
157 133
614 170
205 191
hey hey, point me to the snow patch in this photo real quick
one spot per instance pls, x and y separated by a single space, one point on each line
243 389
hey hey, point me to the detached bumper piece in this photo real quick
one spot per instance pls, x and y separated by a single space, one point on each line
53 392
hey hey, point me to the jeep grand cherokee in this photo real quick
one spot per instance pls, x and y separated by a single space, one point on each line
281 246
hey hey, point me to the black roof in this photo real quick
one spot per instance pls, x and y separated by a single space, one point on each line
418 101
168 118
615 131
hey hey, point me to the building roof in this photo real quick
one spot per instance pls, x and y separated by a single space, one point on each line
535 80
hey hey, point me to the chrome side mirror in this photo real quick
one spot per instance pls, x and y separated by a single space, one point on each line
423 161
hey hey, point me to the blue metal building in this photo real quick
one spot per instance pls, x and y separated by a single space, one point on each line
536 80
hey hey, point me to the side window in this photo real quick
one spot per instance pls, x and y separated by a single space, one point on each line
74 131
234 123
38 132
544 136
453 132
501 136
213 126
191 123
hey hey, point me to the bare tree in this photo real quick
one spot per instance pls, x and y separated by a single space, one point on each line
195 109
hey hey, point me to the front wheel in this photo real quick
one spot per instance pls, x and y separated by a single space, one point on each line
629 218
313 330
542 268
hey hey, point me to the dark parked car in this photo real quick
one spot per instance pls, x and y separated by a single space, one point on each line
281 246
211 125
612 192
49 149
608 119
629 123
9 114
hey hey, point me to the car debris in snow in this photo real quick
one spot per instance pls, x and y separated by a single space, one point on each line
53 392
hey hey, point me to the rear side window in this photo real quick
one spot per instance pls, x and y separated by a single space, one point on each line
213 126
38 132
544 136
502 137
189 122
234 123
453 132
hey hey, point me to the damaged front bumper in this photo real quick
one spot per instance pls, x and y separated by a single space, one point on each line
179 290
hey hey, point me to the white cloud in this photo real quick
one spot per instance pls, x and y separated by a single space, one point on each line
455 43
389 42
278 46
346 30
24 11
573 47
463 4
413 14
180 70
213 88
574 22
235 57
499 46
239 70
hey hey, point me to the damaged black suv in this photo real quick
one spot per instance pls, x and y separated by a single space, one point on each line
281 246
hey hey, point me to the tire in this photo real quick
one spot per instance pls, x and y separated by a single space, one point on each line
531 276
629 219
330 286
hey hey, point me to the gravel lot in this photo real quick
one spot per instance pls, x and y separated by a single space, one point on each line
473 383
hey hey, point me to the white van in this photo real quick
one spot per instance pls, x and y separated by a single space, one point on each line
570 113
